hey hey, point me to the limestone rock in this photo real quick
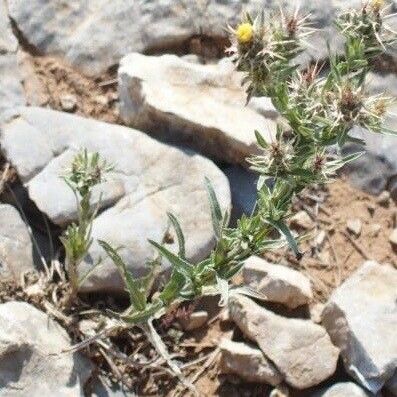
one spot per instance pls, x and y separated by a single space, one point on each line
16 250
67 29
202 106
361 318
277 283
248 363
150 178
301 350
30 359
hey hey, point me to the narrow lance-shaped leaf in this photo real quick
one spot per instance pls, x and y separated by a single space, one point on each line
216 212
283 229
179 264
179 234
137 296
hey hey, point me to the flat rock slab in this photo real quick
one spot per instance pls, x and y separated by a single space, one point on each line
202 106
95 34
150 179
361 318
277 283
301 350
247 362
16 250
31 359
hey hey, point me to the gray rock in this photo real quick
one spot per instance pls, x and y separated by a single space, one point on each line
11 93
16 251
343 389
202 106
277 283
119 27
248 363
31 363
150 179
301 350
8 42
361 318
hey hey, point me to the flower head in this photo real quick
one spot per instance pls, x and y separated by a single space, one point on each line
244 33
376 5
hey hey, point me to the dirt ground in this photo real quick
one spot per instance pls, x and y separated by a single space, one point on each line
331 252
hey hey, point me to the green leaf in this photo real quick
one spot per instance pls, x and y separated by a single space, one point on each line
283 229
179 234
179 264
173 288
261 140
137 296
216 212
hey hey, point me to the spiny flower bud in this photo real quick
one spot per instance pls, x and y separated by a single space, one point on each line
376 5
245 33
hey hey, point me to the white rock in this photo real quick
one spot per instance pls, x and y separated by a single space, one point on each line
301 350
302 220
343 389
150 179
248 363
31 358
277 283
15 244
202 106
68 102
383 198
361 318
354 226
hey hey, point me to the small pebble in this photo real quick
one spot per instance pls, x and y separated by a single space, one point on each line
101 100
194 321
302 220
68 102
383 198
280 391
315 312
320 238
393 238
354 226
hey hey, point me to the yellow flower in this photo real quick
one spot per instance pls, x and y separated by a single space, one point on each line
377 4
245 33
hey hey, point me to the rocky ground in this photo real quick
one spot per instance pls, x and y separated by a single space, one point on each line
146 85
